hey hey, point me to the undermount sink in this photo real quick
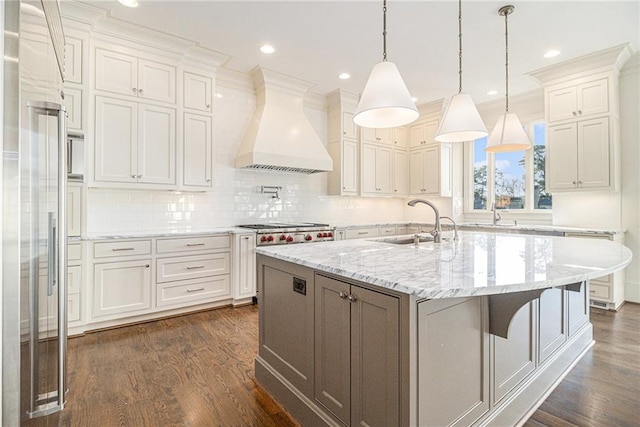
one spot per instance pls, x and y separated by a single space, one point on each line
478 224
404 240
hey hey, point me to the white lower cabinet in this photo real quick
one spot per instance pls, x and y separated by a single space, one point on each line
190 292
121 288
553 325
245 258
357 373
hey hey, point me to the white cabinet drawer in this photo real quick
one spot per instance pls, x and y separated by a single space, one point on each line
193 291
388 231
74 252
358 233
191 267
73 308
193 244
599 291
401 229
117 249
74 279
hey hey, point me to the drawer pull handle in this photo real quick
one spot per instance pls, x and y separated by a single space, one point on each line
363 232
195 290
193 267
593 291
122 249
195 244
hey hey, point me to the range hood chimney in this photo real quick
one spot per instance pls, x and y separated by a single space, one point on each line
279 136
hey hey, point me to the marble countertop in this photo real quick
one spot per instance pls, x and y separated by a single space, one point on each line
477 264
163 233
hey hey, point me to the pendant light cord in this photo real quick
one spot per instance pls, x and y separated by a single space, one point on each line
506 56
384 30
459 46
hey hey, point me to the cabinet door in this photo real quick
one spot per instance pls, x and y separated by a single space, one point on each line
197 92
383 136
73 102
384 170
74 210
561 104
116 72
430 129
416 136
431 170
156 144
73 60
247 273
578 308
368 135
416 172
332 374
349 129
593 97
156 81
593 153
121 287
369 169
349 166
116 151
375 361
562 158
514 358
551 318
198 151
400 173
399 137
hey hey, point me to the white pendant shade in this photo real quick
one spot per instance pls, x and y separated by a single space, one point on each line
508 135
461 121
386 101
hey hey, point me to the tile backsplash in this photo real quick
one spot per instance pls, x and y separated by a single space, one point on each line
236 197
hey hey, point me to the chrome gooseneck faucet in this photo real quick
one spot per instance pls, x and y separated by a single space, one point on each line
437 232
496 215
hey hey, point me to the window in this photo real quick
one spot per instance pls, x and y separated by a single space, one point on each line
514 181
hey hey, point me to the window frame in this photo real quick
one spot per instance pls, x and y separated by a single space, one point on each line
544 215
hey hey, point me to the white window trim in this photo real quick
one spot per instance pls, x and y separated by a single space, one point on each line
526 215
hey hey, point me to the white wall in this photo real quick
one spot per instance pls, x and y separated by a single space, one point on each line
236 197
630 135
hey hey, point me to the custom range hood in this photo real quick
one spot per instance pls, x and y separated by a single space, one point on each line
279 136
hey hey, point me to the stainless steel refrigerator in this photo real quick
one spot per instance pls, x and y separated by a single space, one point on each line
33 213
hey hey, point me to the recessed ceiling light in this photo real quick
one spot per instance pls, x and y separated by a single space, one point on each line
267 48
492 92
344 76
219 95
414 99
129 3
551 53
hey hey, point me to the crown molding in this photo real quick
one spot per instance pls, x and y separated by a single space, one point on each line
236 80
611 59
431 109
632 66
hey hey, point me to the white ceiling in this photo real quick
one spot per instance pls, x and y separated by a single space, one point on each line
316 40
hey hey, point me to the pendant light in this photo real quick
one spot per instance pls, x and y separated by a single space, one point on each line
508 134
385 101
461 120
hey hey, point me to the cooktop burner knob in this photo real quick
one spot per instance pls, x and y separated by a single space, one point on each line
308 238
320 235
270 239
325 234
283 237
289 239
329 234
263 239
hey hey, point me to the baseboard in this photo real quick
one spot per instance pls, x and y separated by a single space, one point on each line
632 291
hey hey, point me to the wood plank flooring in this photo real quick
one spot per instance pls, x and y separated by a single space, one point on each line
197 370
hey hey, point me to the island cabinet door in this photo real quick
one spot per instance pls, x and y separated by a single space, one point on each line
332 377
552 322
577 307
453 361
514 358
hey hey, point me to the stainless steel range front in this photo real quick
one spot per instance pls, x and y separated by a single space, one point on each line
283 234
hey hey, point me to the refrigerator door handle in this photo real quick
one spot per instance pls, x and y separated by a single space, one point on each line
52 243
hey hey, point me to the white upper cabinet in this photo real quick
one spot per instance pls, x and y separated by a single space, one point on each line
400 172
197 91
423 133
377 164
129 75
349 128
376 136
135 143
197 153
399 137
343 144
430 171
576 101
73 103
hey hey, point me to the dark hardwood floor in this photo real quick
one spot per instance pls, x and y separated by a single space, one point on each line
197 370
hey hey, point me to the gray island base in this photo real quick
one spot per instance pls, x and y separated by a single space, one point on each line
343 342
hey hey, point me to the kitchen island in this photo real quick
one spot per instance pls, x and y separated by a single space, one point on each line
476 331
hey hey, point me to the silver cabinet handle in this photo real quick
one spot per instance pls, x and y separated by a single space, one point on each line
122 249
194 267
360 232
574 182
575 114
134 90
140 91
593 291
195 244
208 105
246 238
195 290
342 295
147 266
139 176
579 111
352 298
134 176
579 182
